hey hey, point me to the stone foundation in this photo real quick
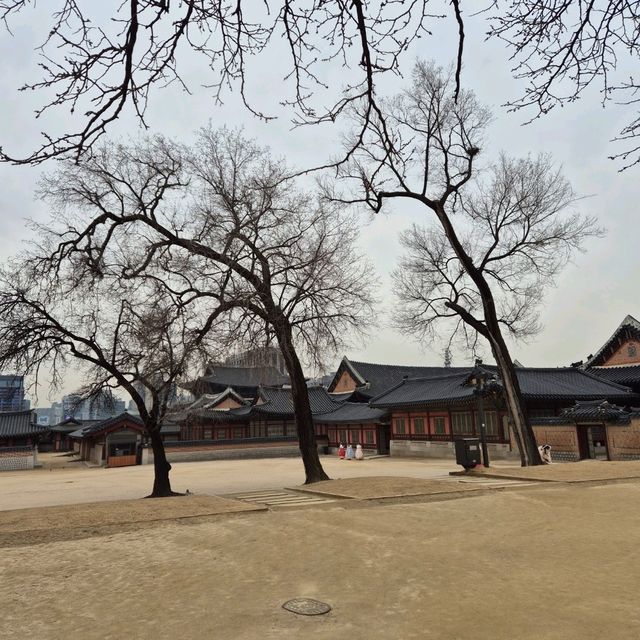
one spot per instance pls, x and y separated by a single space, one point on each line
425 449
198 454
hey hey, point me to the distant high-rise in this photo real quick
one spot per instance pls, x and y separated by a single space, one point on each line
260 357
12 393
99 408
173 397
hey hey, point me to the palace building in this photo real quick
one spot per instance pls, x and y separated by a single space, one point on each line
583 411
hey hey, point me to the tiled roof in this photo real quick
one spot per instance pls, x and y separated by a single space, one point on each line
535 383
279 401
69 425
417 391
627 375
597 410
377 378
568 382
16 424
205 406
91 429
240 378
351 412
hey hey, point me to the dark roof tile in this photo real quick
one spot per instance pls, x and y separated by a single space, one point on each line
627 375
243 380
16 424
377 378
535 383
91 429
590 411
279 401
351 412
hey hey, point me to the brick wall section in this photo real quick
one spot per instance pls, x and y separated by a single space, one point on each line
227 403
628 353
562 438
345 383
624 441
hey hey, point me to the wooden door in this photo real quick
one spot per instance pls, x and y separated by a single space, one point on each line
384 437
585 445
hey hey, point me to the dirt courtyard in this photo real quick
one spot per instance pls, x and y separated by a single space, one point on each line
553 561
77 483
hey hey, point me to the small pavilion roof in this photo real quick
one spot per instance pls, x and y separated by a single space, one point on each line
105 425
279 402
69 425
598 411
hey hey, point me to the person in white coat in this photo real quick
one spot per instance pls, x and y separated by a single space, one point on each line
359 452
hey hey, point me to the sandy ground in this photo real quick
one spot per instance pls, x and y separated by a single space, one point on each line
47 487
35 525
371 488
555 562
69 522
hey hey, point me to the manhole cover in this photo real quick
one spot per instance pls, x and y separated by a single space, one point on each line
306 606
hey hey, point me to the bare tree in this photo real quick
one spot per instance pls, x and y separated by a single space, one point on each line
99 66
225 224
496 243
101 63
134 338
561 48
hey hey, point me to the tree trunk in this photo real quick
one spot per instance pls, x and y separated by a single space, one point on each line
304 420
524 436
523 432
161 467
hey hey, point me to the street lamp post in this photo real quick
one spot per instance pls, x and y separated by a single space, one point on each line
479 381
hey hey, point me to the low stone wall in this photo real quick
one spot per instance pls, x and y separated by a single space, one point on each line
230 452
425 449
17 458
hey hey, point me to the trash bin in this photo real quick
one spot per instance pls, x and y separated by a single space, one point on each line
468 452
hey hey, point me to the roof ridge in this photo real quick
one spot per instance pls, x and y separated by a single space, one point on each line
607 367
435 378
406 366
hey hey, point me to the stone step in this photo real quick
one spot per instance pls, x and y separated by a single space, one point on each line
280 498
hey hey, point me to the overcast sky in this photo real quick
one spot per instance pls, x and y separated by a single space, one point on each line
593 294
